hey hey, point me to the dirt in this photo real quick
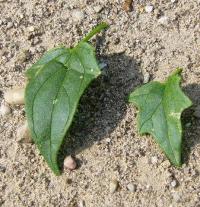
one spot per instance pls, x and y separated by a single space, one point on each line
104 137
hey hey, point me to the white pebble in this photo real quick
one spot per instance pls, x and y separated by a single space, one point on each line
174 183
154 160
146 78
108 140
77 15
69 163
81 204
113 185
98 8
15 96
23 134
131 187
148 8
5 110
163 20
173 1
31 29
9 25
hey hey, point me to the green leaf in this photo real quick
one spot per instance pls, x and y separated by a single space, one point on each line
56 83
160 107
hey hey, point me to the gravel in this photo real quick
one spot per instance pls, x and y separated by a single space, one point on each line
5 110
113 185
131 187
149 8
136 41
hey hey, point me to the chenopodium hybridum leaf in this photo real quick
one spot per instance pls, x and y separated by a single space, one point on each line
160 106
56 83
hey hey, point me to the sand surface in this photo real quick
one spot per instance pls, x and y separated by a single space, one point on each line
139 46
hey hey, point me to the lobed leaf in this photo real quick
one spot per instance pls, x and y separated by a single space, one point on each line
160 107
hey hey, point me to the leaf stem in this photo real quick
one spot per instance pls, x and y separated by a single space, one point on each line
96 30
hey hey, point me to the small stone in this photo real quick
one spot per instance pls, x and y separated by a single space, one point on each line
165 164
15 96
81 203
131 187
9 25
102 65
148 8
146 77
5 110
188 124
22 56
2 169
127 6
31 29
21 16
77 15
173 1
176 196
154 160
197 112
98 8
108 140
163 20
174 183
23 134
113 185
70 163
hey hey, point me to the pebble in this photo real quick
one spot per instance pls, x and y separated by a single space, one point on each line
173 1
23 134
188 124
131 187
98 8
176 196
146 78
81 203
154 160
77 15
148 8
163 20
108 140
31 29
174 183
22 56
70 163
197 112
102 65
9 25
113 185
5 110
165 164
15 96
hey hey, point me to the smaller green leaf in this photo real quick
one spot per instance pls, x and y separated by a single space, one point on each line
160 107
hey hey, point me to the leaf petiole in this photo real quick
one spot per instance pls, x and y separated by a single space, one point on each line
96 30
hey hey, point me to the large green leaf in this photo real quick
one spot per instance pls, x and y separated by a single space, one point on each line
160 107
56 83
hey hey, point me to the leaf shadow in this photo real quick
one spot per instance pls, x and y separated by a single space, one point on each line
103 105
191 124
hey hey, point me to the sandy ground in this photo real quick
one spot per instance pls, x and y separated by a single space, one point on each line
137 46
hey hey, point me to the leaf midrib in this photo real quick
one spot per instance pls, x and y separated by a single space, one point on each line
153 113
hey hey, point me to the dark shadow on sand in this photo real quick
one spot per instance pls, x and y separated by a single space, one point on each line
103 105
